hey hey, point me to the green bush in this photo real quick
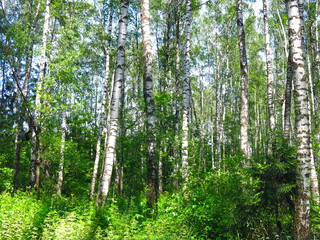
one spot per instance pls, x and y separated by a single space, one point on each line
209 205
20 216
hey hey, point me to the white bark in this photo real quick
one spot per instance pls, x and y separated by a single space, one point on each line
114 110
244 120
287 110
23 99
314 174
177 79
218 112
302 200
103 107
186 93
61 163
34 144
269 68
152 173
317 58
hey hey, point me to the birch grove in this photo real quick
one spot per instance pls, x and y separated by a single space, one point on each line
159 119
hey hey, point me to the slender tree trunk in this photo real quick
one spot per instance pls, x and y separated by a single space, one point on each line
160 172
24 93
177 152
17 153
269 71
218 112
317 69
244 119
35 145
314 174
4 6
222 135
114 110
61 163
302 201
152 173
103 107
287 111
186 93
3 82
107 125
202 157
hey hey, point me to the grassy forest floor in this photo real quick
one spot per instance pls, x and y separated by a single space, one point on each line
212 206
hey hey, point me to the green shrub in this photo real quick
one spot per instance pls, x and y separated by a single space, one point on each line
19 216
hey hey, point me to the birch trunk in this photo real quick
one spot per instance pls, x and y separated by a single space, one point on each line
287 111
152 172
314 174
202 157
244 119
177 152
114 109
29 54
269 69
186 93
35 154
317 68
61 163
218 113
302 200
103 106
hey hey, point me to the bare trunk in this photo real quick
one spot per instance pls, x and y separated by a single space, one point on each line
34 144
3 6
23 97
177 152
202 157
161 169
152 173
317 69
314 174
17 154
269 75
61 163
302 200
244 119
218 113
103 107
114 110
186 93
287 111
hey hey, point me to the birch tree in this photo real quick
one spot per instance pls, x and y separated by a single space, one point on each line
302 200
244 119
152 173
269 68
35 145
25 91
186 93
61 163
103 105
114 109
287 110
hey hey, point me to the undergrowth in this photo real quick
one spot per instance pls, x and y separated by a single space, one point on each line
211 206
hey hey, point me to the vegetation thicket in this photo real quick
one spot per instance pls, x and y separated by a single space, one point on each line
151 119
